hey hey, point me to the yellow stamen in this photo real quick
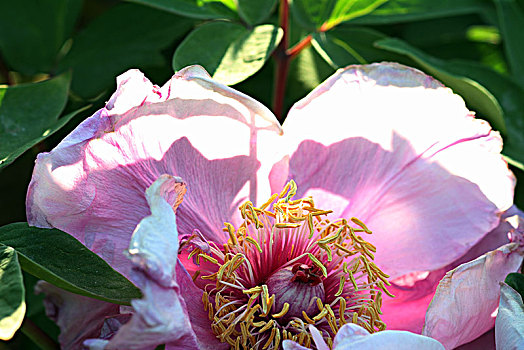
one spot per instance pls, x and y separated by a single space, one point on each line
285 309
255 243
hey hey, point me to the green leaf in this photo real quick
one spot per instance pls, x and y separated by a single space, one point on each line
511 18
343 46
326 14
254 12
200 9
228 51
12 302
60 259
516 281
32 32
496 97
396 11
29 113
138 35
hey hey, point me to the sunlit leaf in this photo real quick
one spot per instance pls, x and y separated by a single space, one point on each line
32 32
12 302
511 18
228 51
201 9
60 259
137 36
352 45
29 114
326 14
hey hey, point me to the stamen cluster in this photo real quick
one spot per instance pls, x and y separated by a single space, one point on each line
287 237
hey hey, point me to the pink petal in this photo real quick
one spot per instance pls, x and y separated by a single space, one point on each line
413 292
77 316
411 160
92 184
161 316
509 326
466 299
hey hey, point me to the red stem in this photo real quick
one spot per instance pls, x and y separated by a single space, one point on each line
282 62
292 52
283 56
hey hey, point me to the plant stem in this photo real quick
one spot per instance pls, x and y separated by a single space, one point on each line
292 52
282 62
283 56
42 340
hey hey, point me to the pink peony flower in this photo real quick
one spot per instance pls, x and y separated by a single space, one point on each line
383 143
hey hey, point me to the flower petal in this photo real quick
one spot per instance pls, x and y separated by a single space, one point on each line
509 326
161 316
77 316
413 292
407 155
465 301
92 184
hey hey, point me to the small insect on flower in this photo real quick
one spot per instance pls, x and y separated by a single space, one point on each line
286 267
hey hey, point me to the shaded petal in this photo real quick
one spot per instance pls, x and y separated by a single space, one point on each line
407 155
466 299
485 342
77 316
509 326
161 316
92 184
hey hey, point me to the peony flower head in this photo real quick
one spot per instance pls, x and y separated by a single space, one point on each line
382 143
286 267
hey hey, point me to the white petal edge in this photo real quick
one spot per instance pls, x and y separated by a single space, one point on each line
509 326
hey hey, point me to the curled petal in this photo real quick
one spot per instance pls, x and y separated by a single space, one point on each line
161 316
409 158
464 304
92 184
509 326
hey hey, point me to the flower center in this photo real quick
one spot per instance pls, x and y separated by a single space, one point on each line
284 268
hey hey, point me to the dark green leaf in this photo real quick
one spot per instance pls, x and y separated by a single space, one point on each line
511 19
32 32
496 97
137 36
314 14
395 11
201 9
228 51
29 113
516 281
352 45
254 12
60 259
12 302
